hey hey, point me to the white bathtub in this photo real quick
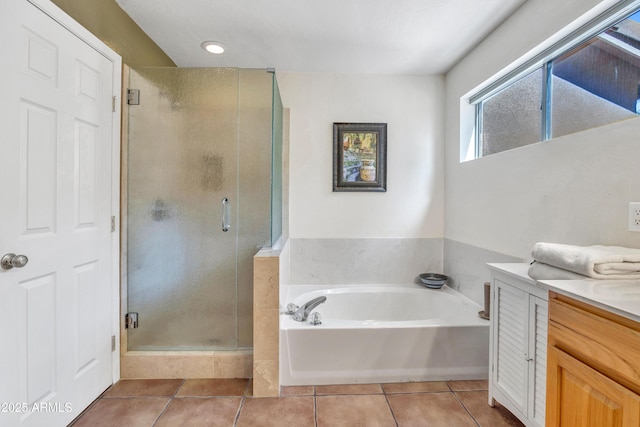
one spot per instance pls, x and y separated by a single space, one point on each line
383 333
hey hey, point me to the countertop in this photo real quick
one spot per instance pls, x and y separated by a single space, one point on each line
514 269
621 297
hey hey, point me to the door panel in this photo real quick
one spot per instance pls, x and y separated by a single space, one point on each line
38 165
39 343
86 177
55 312
581 396
86 319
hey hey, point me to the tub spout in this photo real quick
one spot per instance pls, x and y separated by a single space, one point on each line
304 310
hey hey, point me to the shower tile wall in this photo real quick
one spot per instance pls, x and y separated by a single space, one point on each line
194 364
363 261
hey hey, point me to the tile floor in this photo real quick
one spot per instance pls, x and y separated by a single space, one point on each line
228 403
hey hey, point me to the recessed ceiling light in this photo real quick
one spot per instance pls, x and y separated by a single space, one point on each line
213 47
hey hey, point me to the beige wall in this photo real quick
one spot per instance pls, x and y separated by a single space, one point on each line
411 106
107 21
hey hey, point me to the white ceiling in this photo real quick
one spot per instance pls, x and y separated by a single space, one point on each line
343 36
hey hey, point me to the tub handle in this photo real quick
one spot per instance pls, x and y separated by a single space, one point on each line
291 308
315 318
225 214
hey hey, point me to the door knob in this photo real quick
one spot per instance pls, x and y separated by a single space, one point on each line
9 261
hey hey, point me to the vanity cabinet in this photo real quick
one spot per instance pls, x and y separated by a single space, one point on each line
593 373
518 348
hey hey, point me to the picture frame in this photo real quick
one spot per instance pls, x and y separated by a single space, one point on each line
360 157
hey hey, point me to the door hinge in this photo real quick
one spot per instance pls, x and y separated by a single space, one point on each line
114 105
131 320
113 223
113 343
133 96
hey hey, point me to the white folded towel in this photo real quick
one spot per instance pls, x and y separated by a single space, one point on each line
541 271
598 262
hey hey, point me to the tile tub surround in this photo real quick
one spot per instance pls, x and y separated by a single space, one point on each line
392 260
356 261
230 403
466 266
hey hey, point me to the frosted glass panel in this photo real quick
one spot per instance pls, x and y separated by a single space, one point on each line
512 117
276 186
182 161
254 186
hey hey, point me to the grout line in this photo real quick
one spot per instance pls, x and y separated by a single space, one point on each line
163 411
244 396
455 396
315 407
235 420
169 401
386 397
246 389
175 393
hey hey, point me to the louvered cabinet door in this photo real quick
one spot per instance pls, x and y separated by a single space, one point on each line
519 325
537 357
510 370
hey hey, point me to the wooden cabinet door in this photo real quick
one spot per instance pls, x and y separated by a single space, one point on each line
578 396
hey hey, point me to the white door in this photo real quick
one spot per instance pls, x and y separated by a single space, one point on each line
56 130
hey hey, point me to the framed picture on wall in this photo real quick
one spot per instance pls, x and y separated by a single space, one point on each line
360 157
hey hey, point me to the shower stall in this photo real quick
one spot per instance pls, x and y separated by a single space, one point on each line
203 186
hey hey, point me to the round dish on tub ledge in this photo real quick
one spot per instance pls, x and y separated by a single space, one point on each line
433 280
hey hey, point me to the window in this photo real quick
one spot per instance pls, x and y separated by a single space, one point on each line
594 80
512 118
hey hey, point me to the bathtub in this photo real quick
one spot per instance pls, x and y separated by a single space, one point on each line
383 333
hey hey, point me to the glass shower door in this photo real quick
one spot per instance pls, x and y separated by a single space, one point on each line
182 164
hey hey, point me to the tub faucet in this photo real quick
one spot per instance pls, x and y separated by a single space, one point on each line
304 310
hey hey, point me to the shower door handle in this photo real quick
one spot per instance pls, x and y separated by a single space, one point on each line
225 214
